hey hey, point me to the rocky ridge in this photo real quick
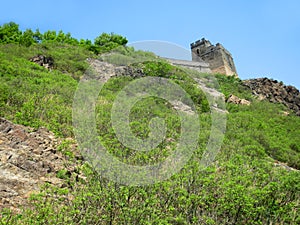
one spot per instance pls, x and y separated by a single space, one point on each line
275 92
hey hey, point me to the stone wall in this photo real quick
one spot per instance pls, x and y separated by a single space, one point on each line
219 59
201 66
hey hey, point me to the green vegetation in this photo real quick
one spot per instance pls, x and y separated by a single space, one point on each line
10 33
243 186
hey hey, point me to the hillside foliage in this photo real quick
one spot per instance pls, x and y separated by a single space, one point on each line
254 179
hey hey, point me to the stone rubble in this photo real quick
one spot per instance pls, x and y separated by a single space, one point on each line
44 61
275 92
236 100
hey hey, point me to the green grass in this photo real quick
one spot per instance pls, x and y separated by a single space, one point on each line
33 96
262 124
242 186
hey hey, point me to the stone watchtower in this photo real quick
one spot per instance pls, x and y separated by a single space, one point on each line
218 58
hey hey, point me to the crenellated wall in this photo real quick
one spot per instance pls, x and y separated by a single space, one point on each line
219 59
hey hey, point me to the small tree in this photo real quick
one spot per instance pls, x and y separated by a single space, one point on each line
49 36
27 38
107 42
38 36
10 33
106 38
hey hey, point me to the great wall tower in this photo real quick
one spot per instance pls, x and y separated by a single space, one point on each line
208 58
219 59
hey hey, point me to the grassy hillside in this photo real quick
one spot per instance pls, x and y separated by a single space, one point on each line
245 184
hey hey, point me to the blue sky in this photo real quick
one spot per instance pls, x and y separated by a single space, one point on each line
262 35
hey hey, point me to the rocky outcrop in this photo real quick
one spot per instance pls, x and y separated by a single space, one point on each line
104 71
275 92
129 71
28 159
236 100
44 61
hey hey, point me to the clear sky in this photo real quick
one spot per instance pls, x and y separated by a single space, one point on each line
262 35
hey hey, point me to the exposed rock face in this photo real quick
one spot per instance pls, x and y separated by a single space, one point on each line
275 92
104 71
27 159
213 95
44 61
128 71
236 100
